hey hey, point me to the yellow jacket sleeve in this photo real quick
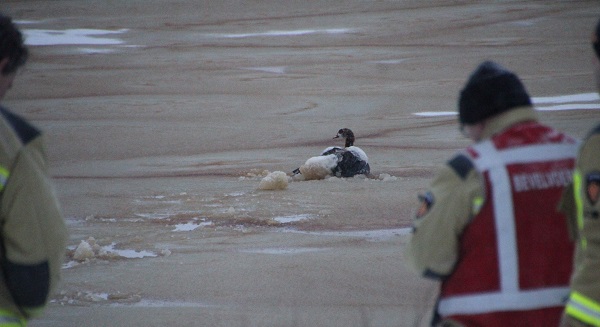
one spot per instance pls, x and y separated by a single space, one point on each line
454 195
33 233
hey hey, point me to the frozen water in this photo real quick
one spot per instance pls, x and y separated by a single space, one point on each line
435 113
286 33
41 37
164 304
371 235
191 226
274 70
283 250
292 219
130 254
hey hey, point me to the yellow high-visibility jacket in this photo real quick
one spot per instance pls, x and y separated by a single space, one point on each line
581 203
33 234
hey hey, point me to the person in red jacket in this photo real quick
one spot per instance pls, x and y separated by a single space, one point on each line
488 226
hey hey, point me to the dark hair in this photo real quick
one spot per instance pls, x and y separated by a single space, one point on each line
490 90
11 45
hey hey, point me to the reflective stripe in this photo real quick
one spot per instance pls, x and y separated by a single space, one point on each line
584 309
8 319
578 189
477 204
503 213
4 173
526 154
509 297
503 301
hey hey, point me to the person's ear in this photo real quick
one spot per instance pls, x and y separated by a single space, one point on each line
3 63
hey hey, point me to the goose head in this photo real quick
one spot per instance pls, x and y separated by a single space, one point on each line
346 134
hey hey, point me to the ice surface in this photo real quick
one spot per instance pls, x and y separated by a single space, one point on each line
282 250
286 33
89 249
41 37
370 235
274 70
187 227
292 219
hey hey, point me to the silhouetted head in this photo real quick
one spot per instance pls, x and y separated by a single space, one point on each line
490 91
12 46
346 134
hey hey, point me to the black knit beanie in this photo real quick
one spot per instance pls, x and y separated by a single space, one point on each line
490 90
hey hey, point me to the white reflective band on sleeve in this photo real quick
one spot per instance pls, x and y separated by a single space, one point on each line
509 297
503 301
526 154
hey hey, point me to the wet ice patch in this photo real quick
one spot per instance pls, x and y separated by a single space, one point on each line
86 297
292 219
128 254
95 51
187 227
274 70
89 249
154 215
388 62
435 113
146 303
81 36
370 235
282 251
286 33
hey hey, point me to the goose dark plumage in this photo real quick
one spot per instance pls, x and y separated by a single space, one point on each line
337 161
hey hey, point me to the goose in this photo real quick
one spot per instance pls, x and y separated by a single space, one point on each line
337 161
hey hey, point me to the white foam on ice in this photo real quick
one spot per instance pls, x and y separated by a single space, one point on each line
292 218
187 227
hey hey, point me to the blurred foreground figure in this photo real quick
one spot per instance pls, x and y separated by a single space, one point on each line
32 229
581 205
488 226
